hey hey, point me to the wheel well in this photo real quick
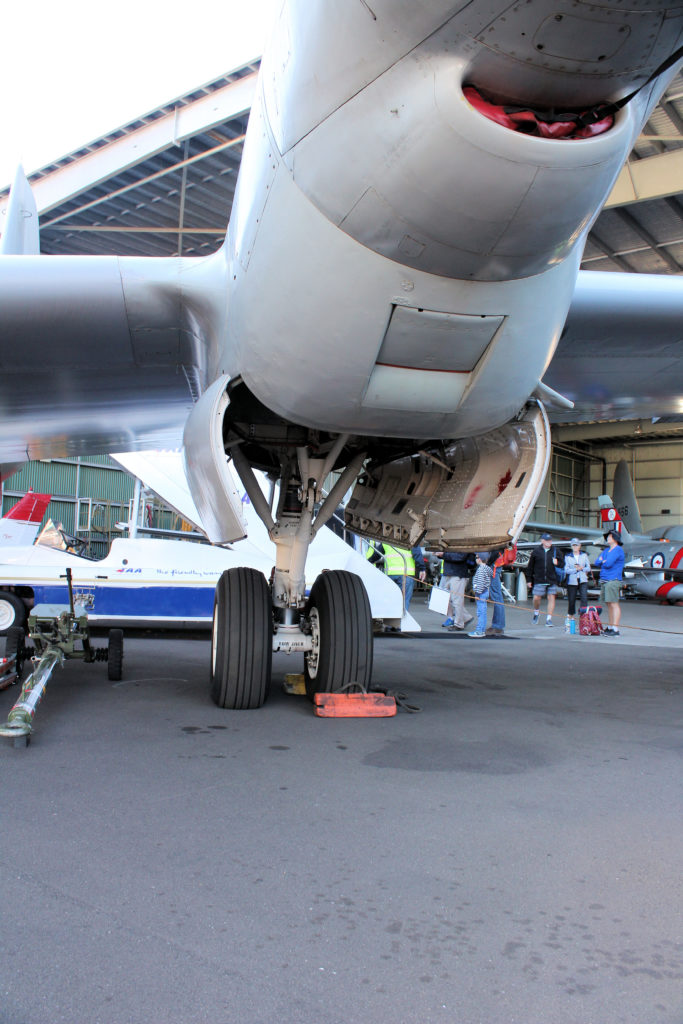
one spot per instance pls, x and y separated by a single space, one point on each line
25 593
265 437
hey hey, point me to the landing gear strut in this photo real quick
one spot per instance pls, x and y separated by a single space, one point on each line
332 628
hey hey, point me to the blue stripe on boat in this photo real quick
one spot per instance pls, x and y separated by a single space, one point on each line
158 602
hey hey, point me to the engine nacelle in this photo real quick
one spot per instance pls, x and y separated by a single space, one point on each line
392 253
376 131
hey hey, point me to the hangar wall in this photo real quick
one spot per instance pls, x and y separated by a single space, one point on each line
657 474
89 496
564 497
579 474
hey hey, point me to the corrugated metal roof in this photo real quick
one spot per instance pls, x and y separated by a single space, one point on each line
178 200
645 237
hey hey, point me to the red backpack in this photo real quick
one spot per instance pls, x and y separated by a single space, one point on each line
589 621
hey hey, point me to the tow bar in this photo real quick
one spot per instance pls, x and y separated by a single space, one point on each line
56 631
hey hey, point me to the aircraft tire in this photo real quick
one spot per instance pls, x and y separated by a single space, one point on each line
12 612
241 642
338 611
15 644
115 655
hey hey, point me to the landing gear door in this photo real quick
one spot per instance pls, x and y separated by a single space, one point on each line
478 496
206 466
490 506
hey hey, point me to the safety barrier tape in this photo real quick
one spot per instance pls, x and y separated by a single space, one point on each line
508 606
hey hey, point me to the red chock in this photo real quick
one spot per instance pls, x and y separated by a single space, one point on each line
354 705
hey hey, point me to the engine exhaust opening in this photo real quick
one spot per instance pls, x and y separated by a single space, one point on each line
543 124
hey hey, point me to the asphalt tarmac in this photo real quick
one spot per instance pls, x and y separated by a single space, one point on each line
509 855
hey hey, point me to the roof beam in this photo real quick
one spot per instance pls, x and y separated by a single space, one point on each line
609 253
612 428
652 178
133 148
134 230
143 181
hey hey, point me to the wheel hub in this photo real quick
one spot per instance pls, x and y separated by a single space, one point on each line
7 615
214 643
313 655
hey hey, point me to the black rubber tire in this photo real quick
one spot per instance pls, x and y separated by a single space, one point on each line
344 621
115 655
242 640
15 644
12 612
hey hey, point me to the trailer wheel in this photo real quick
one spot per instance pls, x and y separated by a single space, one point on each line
338 611
14 644
12 612
115 655
242 640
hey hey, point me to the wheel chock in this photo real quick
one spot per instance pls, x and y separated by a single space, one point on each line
295 684
354 705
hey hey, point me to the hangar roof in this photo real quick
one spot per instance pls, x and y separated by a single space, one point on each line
160 185
163 185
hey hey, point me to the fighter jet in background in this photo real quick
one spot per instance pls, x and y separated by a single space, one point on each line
654 560
416 187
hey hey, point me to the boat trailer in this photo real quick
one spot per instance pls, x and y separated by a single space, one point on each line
58 633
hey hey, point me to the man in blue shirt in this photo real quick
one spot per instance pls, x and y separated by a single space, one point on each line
611 562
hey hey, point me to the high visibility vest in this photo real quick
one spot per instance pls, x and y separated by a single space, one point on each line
370 550
398 561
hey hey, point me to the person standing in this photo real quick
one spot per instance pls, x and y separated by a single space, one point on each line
457 568
499 559
543 580
481 583
611 562
577 566
400 565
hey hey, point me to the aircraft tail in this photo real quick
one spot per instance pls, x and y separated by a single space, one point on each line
610 519
20 233
625 500
21 523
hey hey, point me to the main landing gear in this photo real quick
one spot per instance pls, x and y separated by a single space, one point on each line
464 494
335 629
253 617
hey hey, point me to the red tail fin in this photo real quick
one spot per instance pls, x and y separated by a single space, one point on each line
30 508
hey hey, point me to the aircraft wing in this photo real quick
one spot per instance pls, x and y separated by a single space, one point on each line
620 355
564 532
636 565
101 353
164 473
